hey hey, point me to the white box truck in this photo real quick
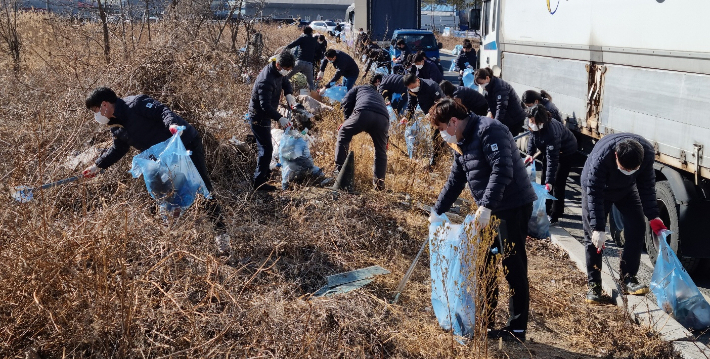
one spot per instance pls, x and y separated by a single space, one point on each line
639 66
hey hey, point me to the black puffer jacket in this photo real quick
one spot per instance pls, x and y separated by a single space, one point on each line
504 103
320 50
602 179
429 71
266 93
141 122
472 99
552 109
361 98
491 165
429 92
308 44
345 67
465 57
392 84
553 140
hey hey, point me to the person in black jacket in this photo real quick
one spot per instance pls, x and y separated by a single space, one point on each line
472 99
618 171
320 54
425 68
487 159
424 93
559 145
466 58
380 58
400 62
304 64
532 98
364 110
345 67
392 89
503 101
141 122
265 96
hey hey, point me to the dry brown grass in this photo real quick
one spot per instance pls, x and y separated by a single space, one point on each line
89 270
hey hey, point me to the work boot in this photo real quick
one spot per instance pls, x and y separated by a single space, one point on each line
594 294
224 248
632 286
508 335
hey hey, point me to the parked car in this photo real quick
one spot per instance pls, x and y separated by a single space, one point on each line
324 26
419 40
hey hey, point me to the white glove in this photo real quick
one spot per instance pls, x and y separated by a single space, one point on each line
290 100
322 91
284 122
483 216
320 75
436 218
598 239
90 172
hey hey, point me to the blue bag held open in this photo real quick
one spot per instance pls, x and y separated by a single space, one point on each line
169 174
675 291
539 224
468 80
452 275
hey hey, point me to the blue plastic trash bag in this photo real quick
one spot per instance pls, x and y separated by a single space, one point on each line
382 70
539 224
169 174
453 275
336 93
417 136
295 158
675 291
468 79
532 173
457 50
393 116
453 66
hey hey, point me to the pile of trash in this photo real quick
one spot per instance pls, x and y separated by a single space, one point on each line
292 155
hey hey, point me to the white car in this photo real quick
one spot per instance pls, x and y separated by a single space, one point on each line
323 26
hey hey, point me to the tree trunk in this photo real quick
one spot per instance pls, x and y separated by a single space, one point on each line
104 23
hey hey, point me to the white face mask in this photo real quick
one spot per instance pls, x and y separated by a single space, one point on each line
283 72
628 173
535 127
415 90
419 66
447 137
101 118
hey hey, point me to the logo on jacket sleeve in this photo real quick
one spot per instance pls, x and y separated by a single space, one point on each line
494 147
499 97
149 105
550 147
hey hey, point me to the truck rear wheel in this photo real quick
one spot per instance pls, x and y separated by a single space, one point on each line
669 214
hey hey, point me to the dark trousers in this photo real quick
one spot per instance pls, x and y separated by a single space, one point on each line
629 205
214 210
558 188
377 126
262 133
514 230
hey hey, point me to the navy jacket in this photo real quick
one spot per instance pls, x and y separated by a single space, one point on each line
472 99
601 179
552 109
308 44
364 98
141 122
379 57
320 50
392 84
266 93
465 57
345 66
428 71
403 53
553 140
504 103
429 93
490 163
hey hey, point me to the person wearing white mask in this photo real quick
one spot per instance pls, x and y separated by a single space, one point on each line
486 158
503 101
141 122
265 97
425 68
558 146
619 171
424 93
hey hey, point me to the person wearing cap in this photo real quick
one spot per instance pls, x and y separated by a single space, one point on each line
619 171
265 97
487 159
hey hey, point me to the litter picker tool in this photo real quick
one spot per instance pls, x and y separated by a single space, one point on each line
405 279
24 194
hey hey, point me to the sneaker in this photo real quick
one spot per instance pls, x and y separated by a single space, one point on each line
594 294
632 286
508 335
223 244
